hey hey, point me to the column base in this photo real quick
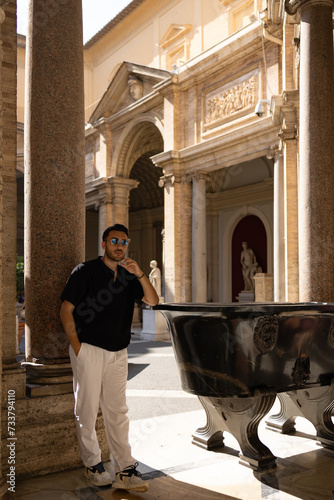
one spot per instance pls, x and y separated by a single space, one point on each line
48 380
46 431
14 378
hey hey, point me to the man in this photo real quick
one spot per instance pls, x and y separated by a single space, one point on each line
97 309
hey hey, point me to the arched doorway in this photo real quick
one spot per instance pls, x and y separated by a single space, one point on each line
146 204
146 212
250 229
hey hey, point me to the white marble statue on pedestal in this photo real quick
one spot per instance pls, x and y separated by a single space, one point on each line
249 267
154 324
155 277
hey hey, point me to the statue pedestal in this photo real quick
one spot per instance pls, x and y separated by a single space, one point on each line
246 296
154 326
263 287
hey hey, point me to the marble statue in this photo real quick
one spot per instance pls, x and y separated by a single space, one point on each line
249 266
155 277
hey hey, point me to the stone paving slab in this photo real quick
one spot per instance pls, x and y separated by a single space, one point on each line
166 488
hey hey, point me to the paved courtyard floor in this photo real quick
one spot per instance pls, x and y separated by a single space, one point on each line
163 418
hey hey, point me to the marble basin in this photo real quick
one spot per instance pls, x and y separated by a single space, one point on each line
237 357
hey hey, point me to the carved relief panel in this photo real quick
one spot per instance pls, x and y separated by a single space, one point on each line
230 101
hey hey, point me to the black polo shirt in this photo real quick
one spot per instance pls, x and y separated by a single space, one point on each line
103 307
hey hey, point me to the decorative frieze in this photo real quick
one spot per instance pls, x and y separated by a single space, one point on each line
226 101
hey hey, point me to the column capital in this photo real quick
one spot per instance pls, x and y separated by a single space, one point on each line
197 176
285 109
111 187
275 151
169 180
293 6
120 189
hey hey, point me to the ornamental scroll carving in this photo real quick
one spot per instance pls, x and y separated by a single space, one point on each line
230 100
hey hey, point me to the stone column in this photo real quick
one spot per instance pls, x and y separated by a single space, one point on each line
54 178
290 148
9 119
114 195
105 210
279 260
199 235
316 200
177 230
7 303
120 193
286 110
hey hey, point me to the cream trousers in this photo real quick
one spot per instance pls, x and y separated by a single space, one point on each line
99 379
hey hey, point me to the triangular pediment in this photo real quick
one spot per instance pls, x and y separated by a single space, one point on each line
174 32
120 92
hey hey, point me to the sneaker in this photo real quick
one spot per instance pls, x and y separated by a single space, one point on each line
98 475
129 479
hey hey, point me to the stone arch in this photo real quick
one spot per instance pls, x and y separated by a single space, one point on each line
227 245
143 134
141 139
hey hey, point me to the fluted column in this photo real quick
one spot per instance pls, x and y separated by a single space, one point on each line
199 258
54 173
316 200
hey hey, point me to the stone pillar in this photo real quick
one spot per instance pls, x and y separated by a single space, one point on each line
286 110
9 118
290 148
54 179
199 236
263 287
288 55
177 230
114 195
316 201
105 210
7 262
279 254
120 192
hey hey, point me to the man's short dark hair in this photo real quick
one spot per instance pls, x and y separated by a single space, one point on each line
115 227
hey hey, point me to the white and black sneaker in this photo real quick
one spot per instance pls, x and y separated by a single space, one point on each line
98 475
129 479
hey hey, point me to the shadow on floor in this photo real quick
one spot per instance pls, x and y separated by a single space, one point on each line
307 476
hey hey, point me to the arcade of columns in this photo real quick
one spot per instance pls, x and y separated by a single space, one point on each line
55 209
